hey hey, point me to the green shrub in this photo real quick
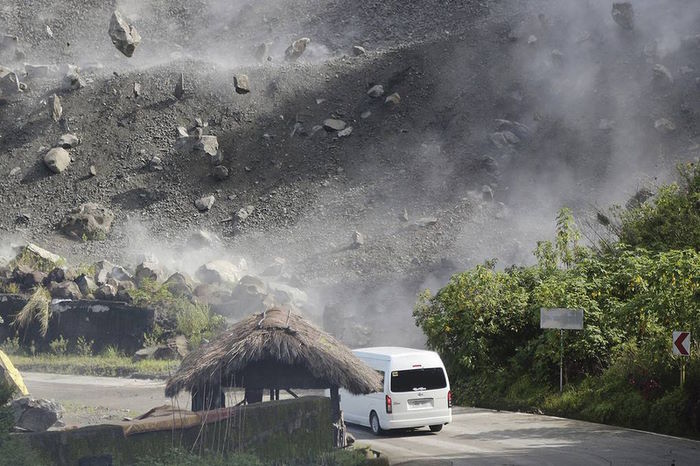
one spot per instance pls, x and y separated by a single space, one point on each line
83 347
11 345
180 457
59 346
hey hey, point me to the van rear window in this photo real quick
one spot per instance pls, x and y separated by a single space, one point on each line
413 380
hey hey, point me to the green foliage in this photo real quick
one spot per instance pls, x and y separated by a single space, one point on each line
180 457
107 364
155 337
11 345
83 347
619 369
110 352
34 261
197 322
9 288
670 221
59 346
37 308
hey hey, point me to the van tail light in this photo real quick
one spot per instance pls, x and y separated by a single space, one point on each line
388 404
449 399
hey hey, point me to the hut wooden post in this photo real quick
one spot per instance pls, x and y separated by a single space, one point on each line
339 436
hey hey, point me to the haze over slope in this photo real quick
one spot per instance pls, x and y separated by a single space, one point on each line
581 88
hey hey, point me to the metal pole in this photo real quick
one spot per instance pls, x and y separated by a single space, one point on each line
561 360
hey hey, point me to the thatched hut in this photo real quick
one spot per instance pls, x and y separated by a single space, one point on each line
273 350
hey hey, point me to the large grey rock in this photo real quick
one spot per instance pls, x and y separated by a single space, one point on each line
88 221
57 159
120 274
107 292
68 141
147 270
220 173
86 285
208 145
296 49
36 415
205 203
218 271
179 285
332 124
288 295
102 271
241 84
376 91
200 240
40 256
65 290
55 107
623 14
124 36
251 294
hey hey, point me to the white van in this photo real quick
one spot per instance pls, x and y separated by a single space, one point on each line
416 391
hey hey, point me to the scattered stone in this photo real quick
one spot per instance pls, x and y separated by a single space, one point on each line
205 203
124 36
394 99
286 295
244 213
68 141
664 126
404 216
155 164
88 221
179 285
35 415
200 240
137 90
55 108
518 129
262 51
102 271
358 50
376 91
220 173
218 271
487 193
346 132
241 84
366 114
26 277
65 290
179 92
49 32
662 75
606 125
296 49
107 292
15 171
92 170
86 285
557 57
73 80
208 144
503 139
532 39
424 222
57 159
623 14
358 239
332 124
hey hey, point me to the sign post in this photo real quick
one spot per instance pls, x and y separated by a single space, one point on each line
563 319
681 347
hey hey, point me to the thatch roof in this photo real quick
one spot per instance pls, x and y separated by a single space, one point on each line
276 349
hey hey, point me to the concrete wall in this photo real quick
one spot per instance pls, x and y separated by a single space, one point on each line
275 431
104 322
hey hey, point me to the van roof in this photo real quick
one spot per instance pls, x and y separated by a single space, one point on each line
391 352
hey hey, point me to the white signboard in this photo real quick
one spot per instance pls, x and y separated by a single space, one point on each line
681 343
567 319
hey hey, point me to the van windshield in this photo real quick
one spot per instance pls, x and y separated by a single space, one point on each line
413 380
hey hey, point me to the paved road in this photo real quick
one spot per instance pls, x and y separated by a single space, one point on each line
475 437
485 437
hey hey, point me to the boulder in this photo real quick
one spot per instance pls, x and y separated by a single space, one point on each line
393 100
296 49
179 285
241 84
208 145
662 76
124 36
107 292
65 290
120 274
276 268
147 270
376 91
59 274
244 212
102 270
664 126
200 240
35 415
220 173
520 130
288 295
27 278
218 271
55 107
332 124
57 159
358 50
623 14
73 80
358 240
86 285
88 221
38 257
205 203
68 141
250 294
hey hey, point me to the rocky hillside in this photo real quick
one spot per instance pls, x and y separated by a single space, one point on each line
489 116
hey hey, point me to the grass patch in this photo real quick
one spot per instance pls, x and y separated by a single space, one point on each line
107 366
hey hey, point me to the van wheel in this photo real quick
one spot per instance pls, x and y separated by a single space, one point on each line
436 428
374 423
